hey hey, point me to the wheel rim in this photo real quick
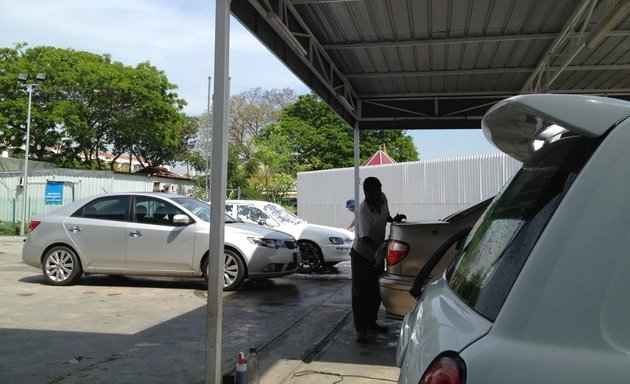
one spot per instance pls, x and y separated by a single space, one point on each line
230 270
311 260
59 265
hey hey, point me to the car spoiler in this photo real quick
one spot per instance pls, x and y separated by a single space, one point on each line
514 125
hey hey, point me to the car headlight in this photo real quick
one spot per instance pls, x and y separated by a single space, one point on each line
339 240
269 243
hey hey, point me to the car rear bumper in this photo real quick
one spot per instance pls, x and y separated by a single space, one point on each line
395 294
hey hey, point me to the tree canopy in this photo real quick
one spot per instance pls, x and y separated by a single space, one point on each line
308 136
313 137
90 104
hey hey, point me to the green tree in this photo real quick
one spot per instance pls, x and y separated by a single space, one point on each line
251 112
309 136
90 104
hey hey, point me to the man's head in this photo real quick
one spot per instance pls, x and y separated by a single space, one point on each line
350 205
372 190
371 185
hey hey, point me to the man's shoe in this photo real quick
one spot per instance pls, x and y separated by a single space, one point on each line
362 337
378 328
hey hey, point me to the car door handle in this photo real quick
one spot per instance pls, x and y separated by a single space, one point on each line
135 234
74 229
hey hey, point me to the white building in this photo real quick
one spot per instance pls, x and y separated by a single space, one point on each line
422 190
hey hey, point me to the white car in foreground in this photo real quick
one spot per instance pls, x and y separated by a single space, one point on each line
151 234
540 291
320 245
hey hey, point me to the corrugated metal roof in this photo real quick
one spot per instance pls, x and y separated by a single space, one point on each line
408 64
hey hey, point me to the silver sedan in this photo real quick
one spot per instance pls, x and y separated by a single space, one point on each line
151 234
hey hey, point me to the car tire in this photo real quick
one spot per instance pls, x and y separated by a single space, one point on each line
233 270
312 258
61 266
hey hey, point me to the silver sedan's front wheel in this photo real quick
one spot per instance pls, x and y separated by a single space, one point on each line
233 271
61 266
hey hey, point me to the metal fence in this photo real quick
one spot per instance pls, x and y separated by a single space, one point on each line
423 190
74 185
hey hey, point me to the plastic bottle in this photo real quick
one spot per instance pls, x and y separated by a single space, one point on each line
241 369
253 373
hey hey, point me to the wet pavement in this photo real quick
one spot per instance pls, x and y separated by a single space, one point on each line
152 330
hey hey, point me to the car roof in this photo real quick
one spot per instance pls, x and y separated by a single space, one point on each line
253 202
514 124
154 194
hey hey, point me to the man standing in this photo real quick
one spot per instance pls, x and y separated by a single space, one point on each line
372 217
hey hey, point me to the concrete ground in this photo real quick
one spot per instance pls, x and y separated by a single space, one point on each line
141 332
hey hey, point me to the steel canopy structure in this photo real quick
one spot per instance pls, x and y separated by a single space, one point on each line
416 64
436 64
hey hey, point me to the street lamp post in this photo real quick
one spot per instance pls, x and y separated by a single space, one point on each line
22 78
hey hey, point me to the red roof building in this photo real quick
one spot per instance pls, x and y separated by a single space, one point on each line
379 158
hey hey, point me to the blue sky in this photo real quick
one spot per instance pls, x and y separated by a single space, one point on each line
177 36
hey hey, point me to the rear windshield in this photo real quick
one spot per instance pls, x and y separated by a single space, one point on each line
499 244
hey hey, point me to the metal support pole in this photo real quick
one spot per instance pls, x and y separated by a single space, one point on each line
218 190
207 136
357 159
29 89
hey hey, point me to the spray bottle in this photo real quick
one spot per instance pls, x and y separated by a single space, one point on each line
241 369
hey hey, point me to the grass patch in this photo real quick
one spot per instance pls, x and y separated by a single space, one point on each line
8 229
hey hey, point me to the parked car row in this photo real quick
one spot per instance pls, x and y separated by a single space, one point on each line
320 245
161 234
153 234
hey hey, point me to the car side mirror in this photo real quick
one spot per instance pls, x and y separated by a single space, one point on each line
181 220
270 223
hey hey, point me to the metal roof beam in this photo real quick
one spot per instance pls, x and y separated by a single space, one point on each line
487 71
441 41
295 2
573 40
290 27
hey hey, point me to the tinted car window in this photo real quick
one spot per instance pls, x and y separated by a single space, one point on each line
498 246
148 210
105 208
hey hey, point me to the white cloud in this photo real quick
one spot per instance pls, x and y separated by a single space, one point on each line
175 36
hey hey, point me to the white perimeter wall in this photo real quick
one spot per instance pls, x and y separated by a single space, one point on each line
423 190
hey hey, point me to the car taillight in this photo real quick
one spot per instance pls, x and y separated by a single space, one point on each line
444 370
396 252
33 225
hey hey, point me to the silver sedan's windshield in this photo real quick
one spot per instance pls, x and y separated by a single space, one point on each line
199 208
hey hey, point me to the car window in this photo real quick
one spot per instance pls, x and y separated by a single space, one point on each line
499 244
149 210
229 208
250 214
201 209
282 214
105 208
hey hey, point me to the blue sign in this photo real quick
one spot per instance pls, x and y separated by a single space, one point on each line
54 192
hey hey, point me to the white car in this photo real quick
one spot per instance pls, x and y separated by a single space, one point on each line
152 234
320 245
539 292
